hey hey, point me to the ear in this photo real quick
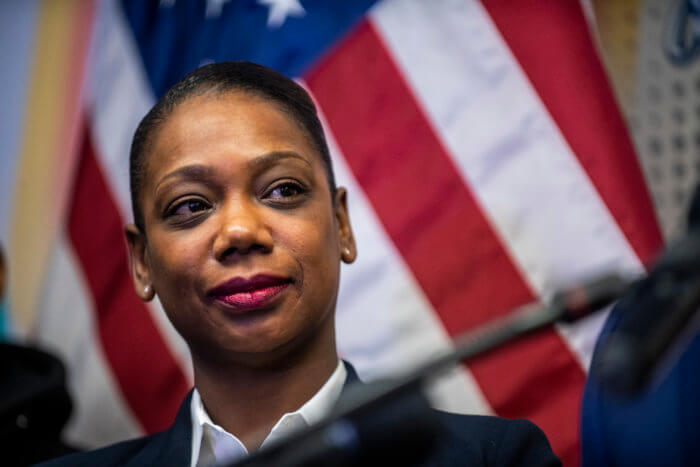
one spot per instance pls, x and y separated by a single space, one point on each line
140 272
346 240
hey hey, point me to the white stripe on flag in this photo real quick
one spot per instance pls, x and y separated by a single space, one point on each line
66 325
119 97
510 152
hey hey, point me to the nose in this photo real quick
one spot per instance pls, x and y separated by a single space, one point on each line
241 231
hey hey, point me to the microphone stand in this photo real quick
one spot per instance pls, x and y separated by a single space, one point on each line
391 422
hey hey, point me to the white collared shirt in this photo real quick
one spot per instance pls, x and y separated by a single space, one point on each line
211 444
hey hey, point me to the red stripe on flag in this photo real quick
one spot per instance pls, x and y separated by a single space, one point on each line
552 42
435 223
150 379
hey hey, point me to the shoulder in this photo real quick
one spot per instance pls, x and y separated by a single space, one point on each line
115 454
169 447
484 440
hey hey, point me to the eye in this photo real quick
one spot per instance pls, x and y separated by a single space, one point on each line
285 192
187 209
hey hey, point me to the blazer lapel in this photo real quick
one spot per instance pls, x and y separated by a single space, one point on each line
352 379
172 447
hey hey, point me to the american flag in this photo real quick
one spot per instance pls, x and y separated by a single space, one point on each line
487 165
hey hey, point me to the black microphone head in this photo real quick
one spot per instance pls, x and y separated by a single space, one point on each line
617 372
647 321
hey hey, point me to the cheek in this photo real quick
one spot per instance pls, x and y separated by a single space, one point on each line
175 279
175 269
312 239
314 245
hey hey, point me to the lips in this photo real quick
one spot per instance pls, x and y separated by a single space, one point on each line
247 294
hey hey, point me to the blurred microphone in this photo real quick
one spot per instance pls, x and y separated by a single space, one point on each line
391 422
370 422
657 316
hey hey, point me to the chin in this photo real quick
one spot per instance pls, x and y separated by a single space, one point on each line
264 339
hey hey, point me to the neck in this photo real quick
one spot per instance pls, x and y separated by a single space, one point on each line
247 401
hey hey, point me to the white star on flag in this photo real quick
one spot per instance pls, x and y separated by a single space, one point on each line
214 8
280 9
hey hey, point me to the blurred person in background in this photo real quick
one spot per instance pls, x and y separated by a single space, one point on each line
659 425
34 402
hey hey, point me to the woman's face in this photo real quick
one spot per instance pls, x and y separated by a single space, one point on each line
242 239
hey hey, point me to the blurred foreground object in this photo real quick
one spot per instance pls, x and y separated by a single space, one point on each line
34 401
646 416
34 405
369 425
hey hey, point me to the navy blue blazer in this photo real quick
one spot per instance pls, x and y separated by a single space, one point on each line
467 440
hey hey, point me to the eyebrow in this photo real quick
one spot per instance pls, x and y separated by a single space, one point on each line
275 156
194 172
204 172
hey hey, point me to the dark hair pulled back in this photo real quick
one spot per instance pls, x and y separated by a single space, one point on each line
225 77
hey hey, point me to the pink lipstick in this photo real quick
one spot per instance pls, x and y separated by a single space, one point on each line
249 294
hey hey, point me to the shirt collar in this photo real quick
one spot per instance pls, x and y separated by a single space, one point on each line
212 444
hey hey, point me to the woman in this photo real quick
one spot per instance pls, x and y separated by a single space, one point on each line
239 229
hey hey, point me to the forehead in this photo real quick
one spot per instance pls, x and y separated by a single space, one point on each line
233 126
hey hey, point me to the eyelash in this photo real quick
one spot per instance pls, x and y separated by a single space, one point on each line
282 201
171 212
300 190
